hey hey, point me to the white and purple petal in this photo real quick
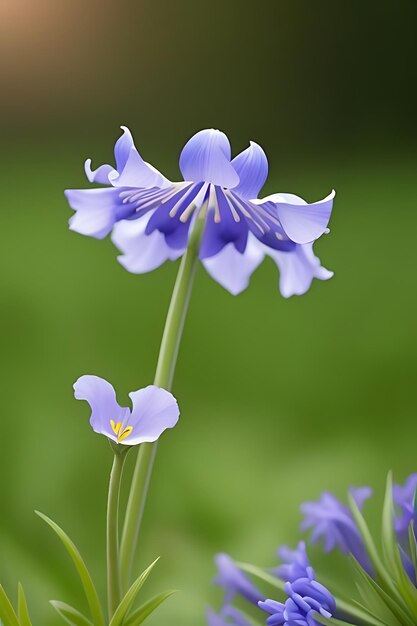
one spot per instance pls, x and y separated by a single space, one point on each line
302 222
99 175
121 152
297 269
138 173
141 253
154 410
252 168
206 158
232 269
97 210
101 397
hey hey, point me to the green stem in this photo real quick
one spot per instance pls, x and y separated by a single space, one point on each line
163 378
114 591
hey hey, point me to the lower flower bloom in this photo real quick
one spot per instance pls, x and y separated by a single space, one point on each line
234 581
306 598
385 580
153 411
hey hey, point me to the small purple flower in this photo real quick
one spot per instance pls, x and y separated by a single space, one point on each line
306 598
403 496
153 411
152 217
228 616
234 581
295 563
332 521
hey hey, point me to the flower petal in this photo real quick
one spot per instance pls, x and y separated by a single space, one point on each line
231 269
297 269
206 157
132 170
137 173
141 253
101 397
100 175
122 148
154 410
223 225
97 210
361 495
213 619
234 581
252 167
302 222
121 152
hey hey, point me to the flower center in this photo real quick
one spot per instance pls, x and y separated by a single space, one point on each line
120 431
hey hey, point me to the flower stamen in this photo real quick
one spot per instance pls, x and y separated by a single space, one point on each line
120 431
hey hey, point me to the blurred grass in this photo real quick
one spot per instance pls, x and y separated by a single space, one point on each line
280 399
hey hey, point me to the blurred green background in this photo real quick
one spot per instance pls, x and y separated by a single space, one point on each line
280 399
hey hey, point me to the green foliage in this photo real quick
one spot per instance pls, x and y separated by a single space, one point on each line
139 616
387 599
8 616
86 580
22 608
7 613
130 596
69 614
391 598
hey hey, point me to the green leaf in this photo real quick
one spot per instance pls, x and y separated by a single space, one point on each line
261 574
86 580
69 614
358 613
146 609
413 546
392 552
378 602
23 613
380 569
7 613
129 598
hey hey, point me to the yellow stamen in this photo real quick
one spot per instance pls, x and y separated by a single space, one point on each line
115 427
121 433
124 433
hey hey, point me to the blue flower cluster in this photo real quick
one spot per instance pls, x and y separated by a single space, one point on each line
333 523
305 595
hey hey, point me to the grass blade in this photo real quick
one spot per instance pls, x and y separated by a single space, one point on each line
69 614
22 608
7 613
413 546
261 574
84 574
146 609
378 602
129 598
392 552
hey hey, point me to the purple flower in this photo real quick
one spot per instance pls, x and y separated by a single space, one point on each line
295 563
306 598
153 411
228 616
333 522
234 581
152 217
403 496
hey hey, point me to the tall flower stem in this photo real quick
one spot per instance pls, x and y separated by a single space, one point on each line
114 590
165 369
